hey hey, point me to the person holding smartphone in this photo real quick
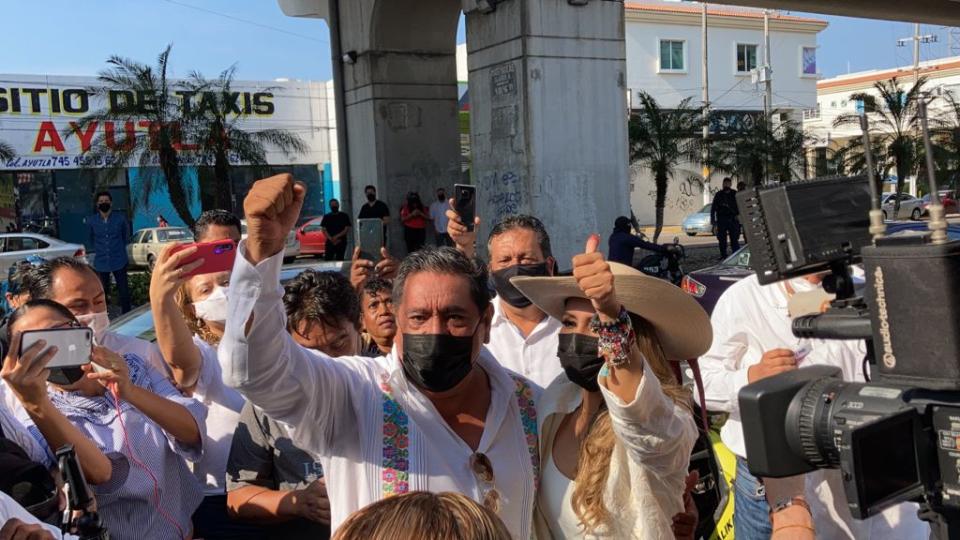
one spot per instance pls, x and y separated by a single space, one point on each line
414 217
189 315
131 429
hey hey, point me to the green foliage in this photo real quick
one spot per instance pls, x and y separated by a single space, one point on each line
764 151
139 283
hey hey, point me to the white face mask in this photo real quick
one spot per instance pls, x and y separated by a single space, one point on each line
214 307
800 285
98 322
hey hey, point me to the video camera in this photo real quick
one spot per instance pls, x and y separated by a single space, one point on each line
894 439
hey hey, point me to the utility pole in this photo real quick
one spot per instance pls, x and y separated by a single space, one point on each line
768 79
706 106
917 39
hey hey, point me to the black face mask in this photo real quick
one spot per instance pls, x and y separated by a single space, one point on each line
441 197
334 209
65 376
506 290
104 207
578 357
437 362
371 197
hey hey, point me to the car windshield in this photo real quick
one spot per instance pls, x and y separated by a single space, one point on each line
175 235
706 209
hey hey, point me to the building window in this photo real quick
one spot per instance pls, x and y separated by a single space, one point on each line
671 55
746 58
808 64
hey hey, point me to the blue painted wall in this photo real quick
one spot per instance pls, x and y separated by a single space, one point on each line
158 202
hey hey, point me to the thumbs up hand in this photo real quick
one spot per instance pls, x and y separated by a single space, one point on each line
595 279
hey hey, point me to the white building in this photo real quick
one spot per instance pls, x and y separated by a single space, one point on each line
664 53
46 177
834 99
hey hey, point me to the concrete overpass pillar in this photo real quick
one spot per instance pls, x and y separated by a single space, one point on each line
400 100
549 115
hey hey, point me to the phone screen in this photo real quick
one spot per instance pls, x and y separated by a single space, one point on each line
74 345
465 203
370 238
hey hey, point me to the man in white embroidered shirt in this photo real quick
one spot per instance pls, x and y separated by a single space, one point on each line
437 414
523 338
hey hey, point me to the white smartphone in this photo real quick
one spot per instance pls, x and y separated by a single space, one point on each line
74 345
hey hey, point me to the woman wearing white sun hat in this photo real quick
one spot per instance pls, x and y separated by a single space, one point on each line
616 429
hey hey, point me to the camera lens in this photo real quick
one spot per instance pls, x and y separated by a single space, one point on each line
809 416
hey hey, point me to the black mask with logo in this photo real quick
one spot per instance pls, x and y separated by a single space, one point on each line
437 362
506 290
578 357
104 207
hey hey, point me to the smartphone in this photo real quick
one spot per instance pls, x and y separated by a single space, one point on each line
217 256
465 203
370 238
74 345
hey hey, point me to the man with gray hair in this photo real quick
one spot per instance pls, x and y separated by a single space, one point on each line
523 338
435 414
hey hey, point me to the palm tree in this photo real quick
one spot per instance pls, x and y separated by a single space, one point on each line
851 159
948 141
662 139
6 152
777 152
219 138
894 124
153 106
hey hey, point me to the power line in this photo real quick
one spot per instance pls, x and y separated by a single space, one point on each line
245 21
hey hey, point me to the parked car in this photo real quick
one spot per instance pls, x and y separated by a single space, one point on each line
910 206
290 251
139 322
708 284
312 239
146 244
947 198
698 222
15 247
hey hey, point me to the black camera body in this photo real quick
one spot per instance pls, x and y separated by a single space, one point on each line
895 439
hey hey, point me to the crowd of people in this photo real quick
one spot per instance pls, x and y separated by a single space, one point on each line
445 395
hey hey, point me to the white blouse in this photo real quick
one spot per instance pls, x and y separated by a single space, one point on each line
556 500
375 434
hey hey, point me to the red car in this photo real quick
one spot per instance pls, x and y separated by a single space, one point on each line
949 200
311 237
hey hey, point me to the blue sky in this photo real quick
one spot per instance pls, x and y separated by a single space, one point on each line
68 37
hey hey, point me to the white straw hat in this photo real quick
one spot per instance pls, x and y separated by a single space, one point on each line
682 326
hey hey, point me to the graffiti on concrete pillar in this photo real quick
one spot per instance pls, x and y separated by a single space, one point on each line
504 194
503 81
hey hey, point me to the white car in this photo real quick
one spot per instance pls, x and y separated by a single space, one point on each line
146 244
910 206
15 247
290 251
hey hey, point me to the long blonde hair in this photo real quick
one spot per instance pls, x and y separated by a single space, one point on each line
596 449
420 515
197 326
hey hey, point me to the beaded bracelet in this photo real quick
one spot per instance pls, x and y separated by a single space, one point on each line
615 338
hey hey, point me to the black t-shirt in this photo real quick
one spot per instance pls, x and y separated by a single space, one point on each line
335 222
378 210
724 205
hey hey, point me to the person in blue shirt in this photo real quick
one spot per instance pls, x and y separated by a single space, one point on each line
622 242
109 235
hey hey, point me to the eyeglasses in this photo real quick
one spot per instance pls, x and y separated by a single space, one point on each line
483 471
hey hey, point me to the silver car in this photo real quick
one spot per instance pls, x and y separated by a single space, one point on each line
910 206
15 247
146 244
698 222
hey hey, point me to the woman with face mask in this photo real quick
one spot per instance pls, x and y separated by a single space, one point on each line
189 315
130 427
269 478
617 428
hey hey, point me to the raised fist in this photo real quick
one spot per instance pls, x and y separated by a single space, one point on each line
271 207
